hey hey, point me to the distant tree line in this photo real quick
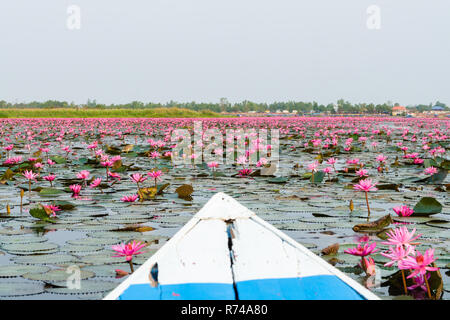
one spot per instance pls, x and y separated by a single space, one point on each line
341 106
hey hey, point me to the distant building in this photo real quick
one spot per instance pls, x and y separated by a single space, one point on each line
437 111
398 110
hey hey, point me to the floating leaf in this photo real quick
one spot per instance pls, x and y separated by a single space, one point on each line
17 270
377 225
278 180
87 286
332 249
147 193
318 176
427 206
127 148
50 191
388 186
40 213
15 289
58 275
30 248
58 159
45 259
161 188
184 191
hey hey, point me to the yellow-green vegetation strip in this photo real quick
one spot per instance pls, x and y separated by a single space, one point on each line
106 113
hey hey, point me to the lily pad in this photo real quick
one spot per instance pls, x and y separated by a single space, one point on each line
86 286
16 270
15 289
427 206
45 259
57 275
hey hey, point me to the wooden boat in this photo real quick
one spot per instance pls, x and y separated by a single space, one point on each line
226 252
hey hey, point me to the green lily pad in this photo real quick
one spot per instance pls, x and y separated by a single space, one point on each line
427 206
22 239
93 241
58 159
30 248
57 275
50 191
45 259
108 270
86 286
16 270
101 258
15 289
80 249
278 180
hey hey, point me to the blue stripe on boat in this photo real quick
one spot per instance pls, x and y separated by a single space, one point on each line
323 287
186 291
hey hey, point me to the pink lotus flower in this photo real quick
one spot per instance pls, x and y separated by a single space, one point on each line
213 164
83 175
38 165
138 178
114 175
397 254
313 166
368 265
242 160
244 172
403 211
95 183
129 250
365 185
431 170
401 237
155 155
261 162
116 158
362 173
362 251
419 263
328 170
107 163
155 175
363 238
53 209
76 188
381 158
353 161
30 175
419 282
50 178
129 198
13 160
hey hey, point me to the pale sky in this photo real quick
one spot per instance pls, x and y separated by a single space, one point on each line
202 50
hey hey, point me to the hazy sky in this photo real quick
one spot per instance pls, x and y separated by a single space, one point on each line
202 50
